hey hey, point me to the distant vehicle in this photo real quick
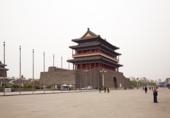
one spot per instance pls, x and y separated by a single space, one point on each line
168 82
87 88
168 85
66 87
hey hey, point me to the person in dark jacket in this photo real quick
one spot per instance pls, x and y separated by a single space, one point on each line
146 89
100 90
108 90
104 89
155 95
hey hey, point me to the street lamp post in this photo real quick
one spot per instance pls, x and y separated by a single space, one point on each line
20 62
68 65
103 71
103 79
20 69
32 70
86 71
43 61
137 83
44 68
61 62
4 68
53 60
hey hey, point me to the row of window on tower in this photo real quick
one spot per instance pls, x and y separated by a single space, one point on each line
95 65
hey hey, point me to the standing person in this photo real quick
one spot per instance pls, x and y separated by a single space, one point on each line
146 89
104 89
108 90
100 90
155 95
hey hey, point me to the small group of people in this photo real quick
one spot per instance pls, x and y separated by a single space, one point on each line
155 93
105 90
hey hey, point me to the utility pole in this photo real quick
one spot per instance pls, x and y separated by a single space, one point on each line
103 71
4 52
86 77
68 65
43 61
4 67
33 64
32 69
20 69
61 62
53 59
20 62
44 68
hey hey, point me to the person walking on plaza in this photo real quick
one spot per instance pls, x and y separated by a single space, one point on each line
155 95
146 89
108 90
104 89
100 90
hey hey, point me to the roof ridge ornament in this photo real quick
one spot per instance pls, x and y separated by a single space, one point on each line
89 34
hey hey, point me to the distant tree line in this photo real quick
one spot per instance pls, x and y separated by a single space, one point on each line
137 83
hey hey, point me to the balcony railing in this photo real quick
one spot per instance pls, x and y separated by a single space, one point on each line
95 54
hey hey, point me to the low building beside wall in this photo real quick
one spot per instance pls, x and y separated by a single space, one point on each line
57 77
3 70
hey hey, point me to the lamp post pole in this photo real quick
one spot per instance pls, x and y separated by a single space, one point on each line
68 65
20 68
53 60
19 62
86 72
103 82
43 61
137 83
43 68
103 79
4 52
61 62
4 67
32 70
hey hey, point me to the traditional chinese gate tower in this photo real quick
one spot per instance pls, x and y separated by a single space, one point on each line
94 52
92 55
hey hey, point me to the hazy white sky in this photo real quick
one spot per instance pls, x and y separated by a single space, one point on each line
141 28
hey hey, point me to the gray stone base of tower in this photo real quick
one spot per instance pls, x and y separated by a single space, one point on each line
95 78
79 79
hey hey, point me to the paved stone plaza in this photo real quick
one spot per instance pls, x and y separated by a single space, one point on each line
116 104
